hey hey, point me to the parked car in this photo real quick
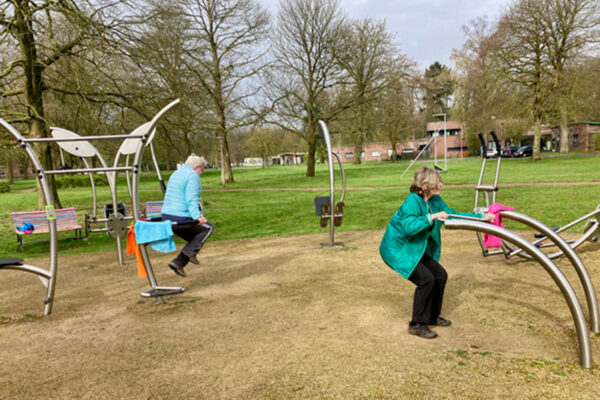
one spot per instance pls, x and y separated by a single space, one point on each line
408 154
525 151
509 151
491 153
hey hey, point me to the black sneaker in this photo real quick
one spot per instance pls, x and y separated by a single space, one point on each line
421 330
440 321
177 269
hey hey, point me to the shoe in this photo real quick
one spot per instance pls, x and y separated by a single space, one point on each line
439 321
192 259
178 270
421 330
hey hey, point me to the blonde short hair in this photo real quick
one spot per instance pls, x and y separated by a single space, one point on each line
195 161
425 180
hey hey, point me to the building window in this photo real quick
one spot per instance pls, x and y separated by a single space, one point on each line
1 174
362 154
390 152
349 156
575 140
376 154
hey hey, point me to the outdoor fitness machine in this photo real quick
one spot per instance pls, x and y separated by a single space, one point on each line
583 337
324 205
116 224
489 192
434 137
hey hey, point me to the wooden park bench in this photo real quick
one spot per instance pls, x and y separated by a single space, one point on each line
66 220
153 210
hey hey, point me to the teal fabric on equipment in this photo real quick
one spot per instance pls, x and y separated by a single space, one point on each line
412 233
159 235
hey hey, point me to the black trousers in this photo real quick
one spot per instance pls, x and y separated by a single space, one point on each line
195 236
430 278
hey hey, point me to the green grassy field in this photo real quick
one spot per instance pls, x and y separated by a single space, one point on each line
246 213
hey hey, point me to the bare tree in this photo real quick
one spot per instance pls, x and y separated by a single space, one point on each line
45 33
398 104
481 92
365 55
306 40
225 55
569 26
522 57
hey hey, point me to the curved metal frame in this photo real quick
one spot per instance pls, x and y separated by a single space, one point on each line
582 273
509 251
585 350
141 140
51 273
330 155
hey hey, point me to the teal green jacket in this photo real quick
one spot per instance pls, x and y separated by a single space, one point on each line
412 232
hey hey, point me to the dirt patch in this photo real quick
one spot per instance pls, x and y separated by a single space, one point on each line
286 318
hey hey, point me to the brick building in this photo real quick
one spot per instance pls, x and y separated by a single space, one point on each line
383 151
583 136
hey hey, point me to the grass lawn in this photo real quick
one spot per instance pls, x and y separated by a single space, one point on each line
241 213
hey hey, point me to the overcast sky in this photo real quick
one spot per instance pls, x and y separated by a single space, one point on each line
426 31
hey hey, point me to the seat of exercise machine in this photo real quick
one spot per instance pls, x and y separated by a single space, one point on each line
10 261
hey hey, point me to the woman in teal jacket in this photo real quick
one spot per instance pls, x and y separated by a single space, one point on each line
412 246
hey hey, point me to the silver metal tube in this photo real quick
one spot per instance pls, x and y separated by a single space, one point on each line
585 351
163 188
343 177
48 199
127 177
83 170
417 157
498 161
79 139
584 277
94 198
29 268
331 181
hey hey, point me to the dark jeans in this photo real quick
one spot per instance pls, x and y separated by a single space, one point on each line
195 236
430 278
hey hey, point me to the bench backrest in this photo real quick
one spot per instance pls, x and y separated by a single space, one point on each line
154 209
66 219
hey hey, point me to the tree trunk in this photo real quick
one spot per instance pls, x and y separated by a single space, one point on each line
394 153
228 171
564 131
358 148
10 166
537 136
310 160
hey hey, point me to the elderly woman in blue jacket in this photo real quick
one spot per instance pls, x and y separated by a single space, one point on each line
412 245
182 204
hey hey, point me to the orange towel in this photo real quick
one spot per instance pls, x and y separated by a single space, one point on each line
133 248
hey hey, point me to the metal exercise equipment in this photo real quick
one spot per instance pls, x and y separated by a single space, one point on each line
324 205
115 223
482 203
433 140
585 350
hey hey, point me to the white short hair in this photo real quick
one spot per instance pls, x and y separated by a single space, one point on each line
195 161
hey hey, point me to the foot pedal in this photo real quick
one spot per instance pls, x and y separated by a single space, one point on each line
325 214
339 213
158 291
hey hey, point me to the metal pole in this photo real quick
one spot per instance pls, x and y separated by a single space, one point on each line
331 182
585 350
584 277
